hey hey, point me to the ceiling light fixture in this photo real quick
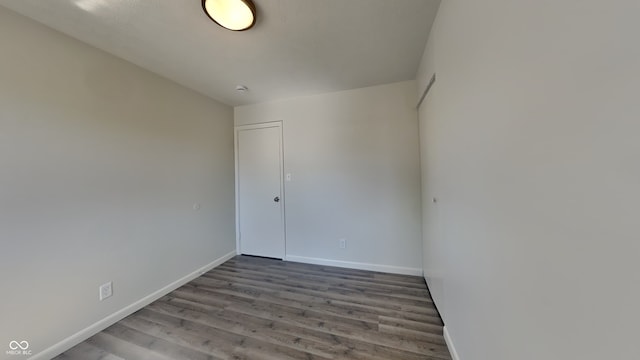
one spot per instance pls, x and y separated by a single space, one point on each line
236 15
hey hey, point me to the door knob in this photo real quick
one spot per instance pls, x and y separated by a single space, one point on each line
276 199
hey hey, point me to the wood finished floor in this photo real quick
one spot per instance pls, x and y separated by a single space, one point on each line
255 308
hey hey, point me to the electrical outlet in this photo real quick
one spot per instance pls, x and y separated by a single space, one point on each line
106 290
343 243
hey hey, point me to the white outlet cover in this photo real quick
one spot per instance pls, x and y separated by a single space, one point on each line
106 290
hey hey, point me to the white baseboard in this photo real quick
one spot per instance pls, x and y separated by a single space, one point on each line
452 349
356 265
86 333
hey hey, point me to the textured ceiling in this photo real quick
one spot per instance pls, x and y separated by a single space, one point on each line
297 47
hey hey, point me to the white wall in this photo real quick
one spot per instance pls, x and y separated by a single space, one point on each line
354 160
100 165
530 142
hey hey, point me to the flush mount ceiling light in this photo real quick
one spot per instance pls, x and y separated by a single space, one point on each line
236 15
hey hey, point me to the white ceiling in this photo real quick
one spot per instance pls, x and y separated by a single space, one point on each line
298 47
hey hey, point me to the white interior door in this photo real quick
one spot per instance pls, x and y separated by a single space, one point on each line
259 190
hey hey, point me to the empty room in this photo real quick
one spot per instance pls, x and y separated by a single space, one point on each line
334 179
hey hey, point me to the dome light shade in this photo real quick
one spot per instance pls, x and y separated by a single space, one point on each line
236 15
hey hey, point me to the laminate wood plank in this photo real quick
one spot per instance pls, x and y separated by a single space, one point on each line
315 276
401 280
330 281
301 314
236 324
265 309
253 290
413 301
215 346
340 343
86 351
333 271
156 344
284 268
324 282
304 302
265 279
192 308
193 293
209 338
311 321
407 334
430 317
333 293
123 348
410 324
323 322
204 294
233 296
236 333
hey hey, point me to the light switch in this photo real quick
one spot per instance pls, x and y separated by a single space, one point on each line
288 177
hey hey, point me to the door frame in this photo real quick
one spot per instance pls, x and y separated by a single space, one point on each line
236 131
